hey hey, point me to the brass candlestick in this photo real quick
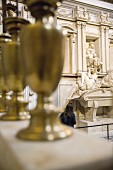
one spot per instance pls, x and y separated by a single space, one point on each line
4 38
13 72
42 47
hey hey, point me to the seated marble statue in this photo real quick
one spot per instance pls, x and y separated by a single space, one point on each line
107 81
91 57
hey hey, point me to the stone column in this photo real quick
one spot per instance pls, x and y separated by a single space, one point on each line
84 65
107 48
70 53
102 40
79 47
74 56
66 68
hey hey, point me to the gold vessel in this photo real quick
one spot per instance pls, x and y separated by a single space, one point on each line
13 73
4 38
42 48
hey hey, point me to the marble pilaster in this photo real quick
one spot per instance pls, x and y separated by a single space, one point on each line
74 56
107 48
66 68
102 39
79 47
84 65
70 53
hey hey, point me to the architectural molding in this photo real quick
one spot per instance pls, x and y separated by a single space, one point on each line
84 12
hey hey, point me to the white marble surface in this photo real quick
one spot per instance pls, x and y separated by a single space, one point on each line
79 152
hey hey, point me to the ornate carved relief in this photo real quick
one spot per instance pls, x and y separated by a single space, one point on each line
85 13
65 12
81 13
93 17
104 18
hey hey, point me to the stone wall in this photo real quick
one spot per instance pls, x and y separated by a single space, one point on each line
83 23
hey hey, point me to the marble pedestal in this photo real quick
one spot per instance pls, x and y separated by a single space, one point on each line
78 152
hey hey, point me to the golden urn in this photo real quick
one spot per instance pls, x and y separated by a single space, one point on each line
13 70
42 48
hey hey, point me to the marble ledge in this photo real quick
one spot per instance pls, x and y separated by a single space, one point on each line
78 152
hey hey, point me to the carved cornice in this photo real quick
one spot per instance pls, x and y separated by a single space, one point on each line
73 3
85 13
65 12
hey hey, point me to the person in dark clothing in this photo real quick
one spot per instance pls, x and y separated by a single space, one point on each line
68 116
